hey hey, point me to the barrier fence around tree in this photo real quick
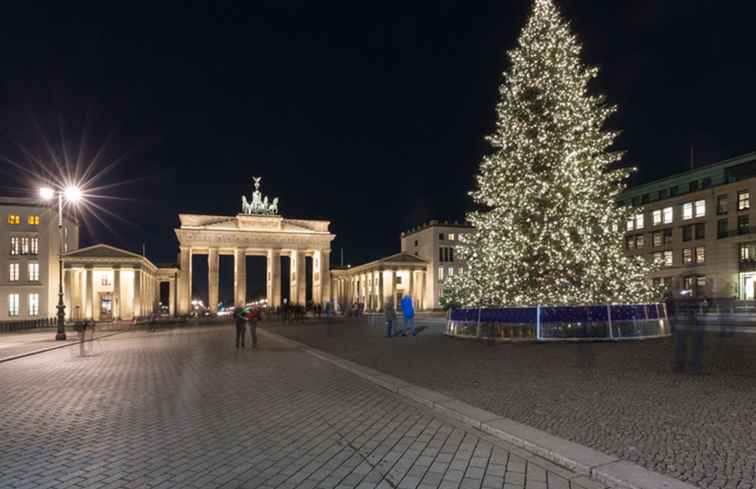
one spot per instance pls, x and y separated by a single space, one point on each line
611 322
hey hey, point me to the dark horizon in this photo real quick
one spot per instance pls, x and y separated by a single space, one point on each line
372 117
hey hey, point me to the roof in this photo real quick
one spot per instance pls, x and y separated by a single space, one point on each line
434 223
104 253
397 260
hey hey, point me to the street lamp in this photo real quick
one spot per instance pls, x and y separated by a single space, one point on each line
71 194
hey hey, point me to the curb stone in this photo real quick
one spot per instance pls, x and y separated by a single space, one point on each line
591 465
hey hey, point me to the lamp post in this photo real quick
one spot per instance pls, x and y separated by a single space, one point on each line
71 194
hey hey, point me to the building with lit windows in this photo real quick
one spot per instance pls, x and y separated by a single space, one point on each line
29 264
699 225
428 255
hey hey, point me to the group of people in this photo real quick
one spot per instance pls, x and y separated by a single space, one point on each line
244 317
408 313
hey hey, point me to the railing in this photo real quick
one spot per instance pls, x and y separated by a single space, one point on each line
26 324
561 323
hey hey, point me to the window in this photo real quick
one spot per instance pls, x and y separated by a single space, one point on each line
15 245
13 269
12 304
668 214
639 221
657 238
33 271
667 258
688 256
34 246
451 254
630 224
398 280
656 217
722 204
744 224
33 304
450 272
700 208
693 186
645 198
636 201
744 200
663 193
667 236
14 219
700 231
451 237
33 219
25 246
440 273
700 254
441 236
639 242
630 242
687 211
722 228
706 182
673 190
687 233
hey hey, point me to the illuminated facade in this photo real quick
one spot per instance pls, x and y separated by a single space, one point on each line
699 225
29 262
105 283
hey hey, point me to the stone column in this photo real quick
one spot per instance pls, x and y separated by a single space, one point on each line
172 297
317 291
412 286
296 259
392 287
89 297
240 277
137 305
381 297
273 277
117 293
212 279
326 292
185 281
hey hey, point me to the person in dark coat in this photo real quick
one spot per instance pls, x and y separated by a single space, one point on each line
241 326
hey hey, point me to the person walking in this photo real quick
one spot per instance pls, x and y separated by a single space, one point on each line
241 325
390 315
409 314
252 316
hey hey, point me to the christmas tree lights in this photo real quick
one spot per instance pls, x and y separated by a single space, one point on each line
550 231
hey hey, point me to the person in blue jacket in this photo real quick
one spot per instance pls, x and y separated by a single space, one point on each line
409 314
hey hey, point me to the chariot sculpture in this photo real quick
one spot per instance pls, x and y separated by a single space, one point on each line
259 203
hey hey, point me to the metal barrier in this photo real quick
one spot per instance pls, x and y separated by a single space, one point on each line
610 322
26 324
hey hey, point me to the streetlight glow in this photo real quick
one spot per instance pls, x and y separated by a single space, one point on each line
72 193
46 193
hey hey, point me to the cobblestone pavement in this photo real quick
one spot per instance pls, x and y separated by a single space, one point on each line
183 409
620 398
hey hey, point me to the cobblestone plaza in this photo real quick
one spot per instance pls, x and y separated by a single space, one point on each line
183 409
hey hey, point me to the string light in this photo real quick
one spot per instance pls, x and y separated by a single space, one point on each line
549 233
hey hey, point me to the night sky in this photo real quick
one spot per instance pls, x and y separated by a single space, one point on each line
369 114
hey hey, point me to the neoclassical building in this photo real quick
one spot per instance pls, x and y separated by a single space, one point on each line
103 283
257 231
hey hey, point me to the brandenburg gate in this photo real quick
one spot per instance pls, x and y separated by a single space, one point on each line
257 231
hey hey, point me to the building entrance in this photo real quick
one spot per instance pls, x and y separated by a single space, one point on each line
106 307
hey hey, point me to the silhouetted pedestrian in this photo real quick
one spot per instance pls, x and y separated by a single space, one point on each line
241 326
390 315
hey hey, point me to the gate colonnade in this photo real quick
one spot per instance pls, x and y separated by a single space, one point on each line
271 236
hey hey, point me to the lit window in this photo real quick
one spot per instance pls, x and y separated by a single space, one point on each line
722 204
700 208
13 269
744 200
33 219
460 270
33 272
451 237
451 272
25 246
688 256
12 304
687 210
34 246
667 258
33 304
15 245
700 255
14 219
440 273
668 215
656 217
630 242
639 221
630 224
657 238
639 242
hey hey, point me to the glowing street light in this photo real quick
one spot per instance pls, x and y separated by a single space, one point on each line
71 194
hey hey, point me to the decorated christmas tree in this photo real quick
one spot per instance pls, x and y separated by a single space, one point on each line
549 230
